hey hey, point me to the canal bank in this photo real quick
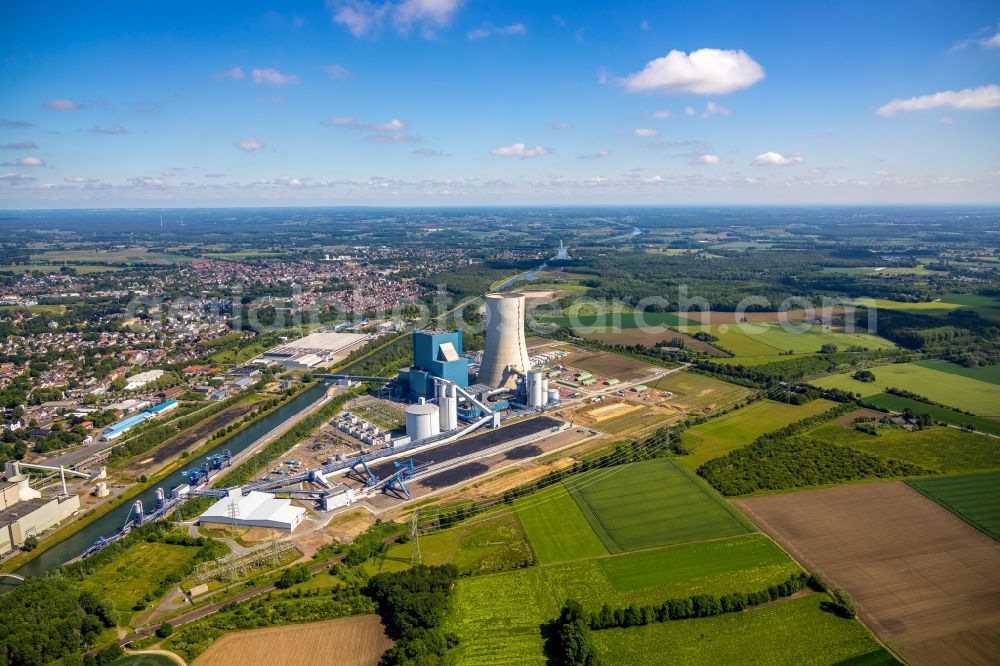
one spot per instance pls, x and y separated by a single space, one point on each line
113 519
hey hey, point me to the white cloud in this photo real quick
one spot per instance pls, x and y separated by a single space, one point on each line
702 72
80 180
394 138
272 77
234 73
250 145
114 129
364 16
713 109
62 105
393 125
562 127
969 99
337 71
428 152
602 76
519 150
146 181
600 154
16 179
488 30
946 120
708 159
653 179
646 132
20 145
29 161
991 42
772 158
689 111
662 114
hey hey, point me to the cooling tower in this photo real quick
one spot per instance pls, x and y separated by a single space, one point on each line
505 353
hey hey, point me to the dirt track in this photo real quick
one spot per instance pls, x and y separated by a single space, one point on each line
926 582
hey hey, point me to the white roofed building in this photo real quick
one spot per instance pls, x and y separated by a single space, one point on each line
254 510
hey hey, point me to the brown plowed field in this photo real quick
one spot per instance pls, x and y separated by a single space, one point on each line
926 582
349 641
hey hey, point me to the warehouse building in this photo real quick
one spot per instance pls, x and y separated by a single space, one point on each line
32 517
254 510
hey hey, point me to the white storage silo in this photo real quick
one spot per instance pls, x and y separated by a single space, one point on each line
422 421
535 396
553 396
448 407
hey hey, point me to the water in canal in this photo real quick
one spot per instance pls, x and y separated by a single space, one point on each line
112 521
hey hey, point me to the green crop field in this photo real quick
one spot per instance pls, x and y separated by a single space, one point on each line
556 528
984 373
653 503
696 391
133 255
974 498
489 542
934 383
932 308
736 429
624 320
498 618
985 306
898 403
652 568
938 448
771 339
793 632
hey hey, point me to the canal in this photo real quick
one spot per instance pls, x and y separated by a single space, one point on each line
112 521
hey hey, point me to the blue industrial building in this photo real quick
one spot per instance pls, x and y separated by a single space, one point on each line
435 354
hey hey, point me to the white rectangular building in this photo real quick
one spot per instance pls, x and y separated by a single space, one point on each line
254 510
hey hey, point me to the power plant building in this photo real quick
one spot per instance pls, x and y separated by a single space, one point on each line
506 354
435 354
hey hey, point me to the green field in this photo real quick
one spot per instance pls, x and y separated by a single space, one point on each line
674 564
653 503
54 268
938 448
135 571
986 306
771 339
133 255
937 383
556 528
696 391
984 373
975 498
499 617
793 632
624 320
898 403
731 431
489 542
932 308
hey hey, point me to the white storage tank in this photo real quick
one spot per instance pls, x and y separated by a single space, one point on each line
535 396
422 421
553 396
448 404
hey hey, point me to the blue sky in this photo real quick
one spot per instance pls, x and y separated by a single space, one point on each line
437 102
